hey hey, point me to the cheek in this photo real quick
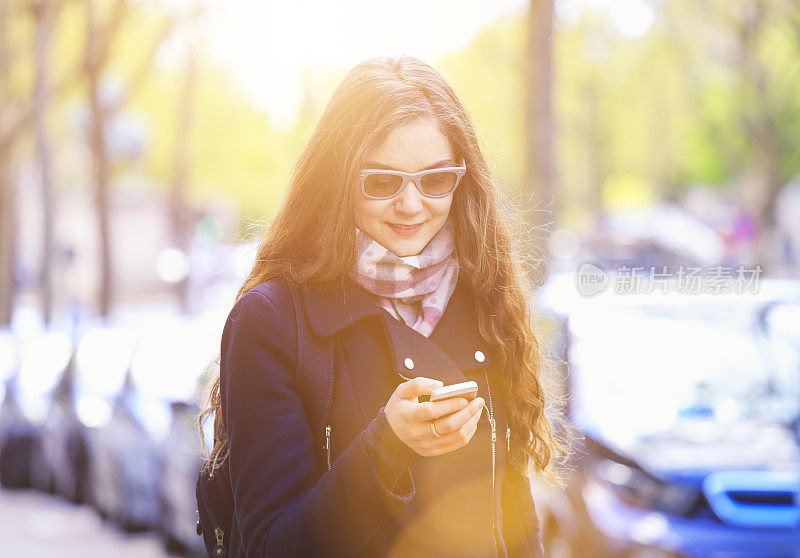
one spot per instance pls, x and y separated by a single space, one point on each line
367 213
442 207
359 214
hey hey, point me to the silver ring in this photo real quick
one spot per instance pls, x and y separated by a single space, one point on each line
433 429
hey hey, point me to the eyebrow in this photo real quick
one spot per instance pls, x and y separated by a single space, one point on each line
439 164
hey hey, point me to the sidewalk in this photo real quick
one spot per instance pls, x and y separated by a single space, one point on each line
38 525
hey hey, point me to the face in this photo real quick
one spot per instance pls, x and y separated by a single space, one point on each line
415 146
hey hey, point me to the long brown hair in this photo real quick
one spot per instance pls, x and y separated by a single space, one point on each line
311 238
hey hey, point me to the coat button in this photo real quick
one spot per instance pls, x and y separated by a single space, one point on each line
479 356
409 363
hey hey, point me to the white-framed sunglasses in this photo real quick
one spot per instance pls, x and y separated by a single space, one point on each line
382 184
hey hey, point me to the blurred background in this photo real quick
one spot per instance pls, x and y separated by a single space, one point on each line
654 146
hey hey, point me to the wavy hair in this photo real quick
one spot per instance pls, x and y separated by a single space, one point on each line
312 237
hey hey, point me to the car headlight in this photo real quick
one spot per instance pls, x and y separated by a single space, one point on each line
636 487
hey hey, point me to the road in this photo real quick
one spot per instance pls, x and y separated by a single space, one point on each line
38 525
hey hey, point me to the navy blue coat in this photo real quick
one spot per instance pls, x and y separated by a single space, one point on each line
378 497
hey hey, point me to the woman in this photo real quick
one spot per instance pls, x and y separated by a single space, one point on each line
393 227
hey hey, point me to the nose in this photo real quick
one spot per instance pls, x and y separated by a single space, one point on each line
410 200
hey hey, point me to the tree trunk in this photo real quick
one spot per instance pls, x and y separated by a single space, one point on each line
7 223
98 44
178 206
101 165
757 119
539 112
43 14
7 244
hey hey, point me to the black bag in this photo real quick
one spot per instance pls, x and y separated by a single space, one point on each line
315 377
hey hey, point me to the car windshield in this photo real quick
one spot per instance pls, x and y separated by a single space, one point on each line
639 372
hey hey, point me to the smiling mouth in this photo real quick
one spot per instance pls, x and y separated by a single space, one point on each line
405 229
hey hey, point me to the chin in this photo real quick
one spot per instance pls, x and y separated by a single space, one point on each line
399 246
403 249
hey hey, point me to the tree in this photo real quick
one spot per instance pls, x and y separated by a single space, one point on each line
7 202
744 72
99 37
181 218
44 13
540 173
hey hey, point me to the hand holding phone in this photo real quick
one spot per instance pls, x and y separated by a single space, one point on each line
454 417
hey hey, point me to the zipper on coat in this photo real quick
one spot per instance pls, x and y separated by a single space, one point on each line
219 534
508 439
219 550
328 444
494 445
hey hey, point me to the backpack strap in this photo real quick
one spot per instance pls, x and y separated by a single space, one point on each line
314 371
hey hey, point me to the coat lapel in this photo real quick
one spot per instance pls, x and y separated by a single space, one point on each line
457 332
415 355
450 350
454 347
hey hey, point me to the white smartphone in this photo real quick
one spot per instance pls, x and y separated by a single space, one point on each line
467 390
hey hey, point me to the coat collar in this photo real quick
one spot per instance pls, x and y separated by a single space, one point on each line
451 349
332 307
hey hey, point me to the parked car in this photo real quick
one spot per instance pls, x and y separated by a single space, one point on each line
16 432
122 459
63 447
170 377
686 408
43 355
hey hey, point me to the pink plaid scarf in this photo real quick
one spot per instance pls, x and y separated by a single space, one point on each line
414 289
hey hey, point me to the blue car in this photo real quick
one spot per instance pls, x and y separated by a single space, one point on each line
684 411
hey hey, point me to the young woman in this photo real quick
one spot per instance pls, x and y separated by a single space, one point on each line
393 232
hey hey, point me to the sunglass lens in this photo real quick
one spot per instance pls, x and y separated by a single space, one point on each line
438 183
382 185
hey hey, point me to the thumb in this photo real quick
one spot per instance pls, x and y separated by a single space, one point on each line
417 386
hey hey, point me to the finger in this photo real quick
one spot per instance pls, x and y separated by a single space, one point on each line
431 410
459 438
472 425
416 387
454 421
468 428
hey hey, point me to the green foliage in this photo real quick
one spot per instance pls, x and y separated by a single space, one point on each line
691 101
489 77
708 92
234 152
